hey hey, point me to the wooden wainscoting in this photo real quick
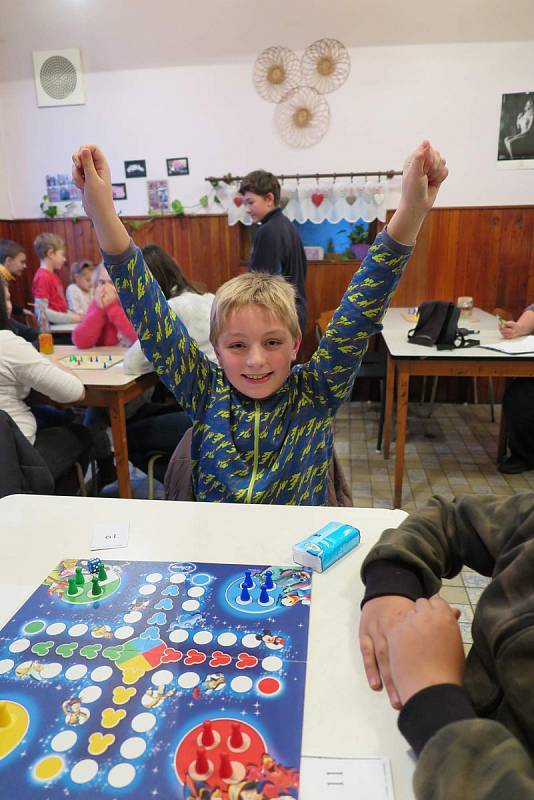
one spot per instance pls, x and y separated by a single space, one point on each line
485 252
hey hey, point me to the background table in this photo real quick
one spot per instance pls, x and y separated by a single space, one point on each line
342 716
111 388
405 360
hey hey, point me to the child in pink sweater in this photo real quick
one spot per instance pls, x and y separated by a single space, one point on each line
104 323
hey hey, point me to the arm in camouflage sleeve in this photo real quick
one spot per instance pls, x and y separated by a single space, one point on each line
470 531
476 759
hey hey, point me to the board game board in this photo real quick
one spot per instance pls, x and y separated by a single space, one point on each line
175 681
88 360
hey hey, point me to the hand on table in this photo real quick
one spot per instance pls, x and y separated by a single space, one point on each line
377 618
425 648
510 329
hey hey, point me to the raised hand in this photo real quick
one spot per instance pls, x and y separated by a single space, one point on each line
425 648
377 618
424 172
91 174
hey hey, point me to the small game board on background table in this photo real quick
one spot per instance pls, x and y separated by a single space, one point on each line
85 359
177 679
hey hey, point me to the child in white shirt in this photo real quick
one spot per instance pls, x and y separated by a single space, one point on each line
80 292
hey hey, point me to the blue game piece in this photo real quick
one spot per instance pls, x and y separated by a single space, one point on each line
244 597
269 580
96 358
248 582
264 595
93 565
105 365
109 357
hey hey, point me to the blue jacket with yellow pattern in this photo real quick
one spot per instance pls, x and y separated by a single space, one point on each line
275 450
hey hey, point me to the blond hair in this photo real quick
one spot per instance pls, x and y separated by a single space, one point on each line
47 241
255 288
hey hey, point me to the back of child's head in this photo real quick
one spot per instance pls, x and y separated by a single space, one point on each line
9 249
167 272
77 267
47 241
261 182
272 292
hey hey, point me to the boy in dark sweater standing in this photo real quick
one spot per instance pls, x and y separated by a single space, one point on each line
277 247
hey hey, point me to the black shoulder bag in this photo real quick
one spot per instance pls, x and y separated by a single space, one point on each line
438 326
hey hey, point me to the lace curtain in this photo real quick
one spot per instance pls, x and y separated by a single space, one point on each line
334 201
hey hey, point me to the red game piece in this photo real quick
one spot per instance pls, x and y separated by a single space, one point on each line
236 739
225 768
208 739
201 764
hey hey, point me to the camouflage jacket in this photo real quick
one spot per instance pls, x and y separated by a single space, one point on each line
485 755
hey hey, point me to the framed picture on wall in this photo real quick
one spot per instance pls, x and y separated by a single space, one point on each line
61 189
135 169
119 191
177 166
516 131
158 195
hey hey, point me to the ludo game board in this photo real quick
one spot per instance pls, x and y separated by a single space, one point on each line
142 680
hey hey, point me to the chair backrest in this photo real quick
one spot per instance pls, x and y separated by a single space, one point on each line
22 468
179 486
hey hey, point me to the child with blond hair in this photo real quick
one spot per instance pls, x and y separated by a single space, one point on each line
47 284
262 429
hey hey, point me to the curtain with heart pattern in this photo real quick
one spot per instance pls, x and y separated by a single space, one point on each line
333 201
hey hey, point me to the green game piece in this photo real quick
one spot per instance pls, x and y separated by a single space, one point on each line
96 590
80 580
102 574
73 589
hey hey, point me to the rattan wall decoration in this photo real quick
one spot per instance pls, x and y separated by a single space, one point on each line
325 65
276 72
302 115
302 118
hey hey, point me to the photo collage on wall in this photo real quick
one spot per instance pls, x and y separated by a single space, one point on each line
157 190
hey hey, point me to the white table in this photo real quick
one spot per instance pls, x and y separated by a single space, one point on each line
343 717
405 360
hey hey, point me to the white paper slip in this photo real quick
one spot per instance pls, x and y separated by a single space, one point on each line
110 534
519 346
345 778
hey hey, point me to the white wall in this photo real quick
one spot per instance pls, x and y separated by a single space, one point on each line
5 204
212 114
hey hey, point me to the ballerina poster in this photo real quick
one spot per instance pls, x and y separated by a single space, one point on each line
516 133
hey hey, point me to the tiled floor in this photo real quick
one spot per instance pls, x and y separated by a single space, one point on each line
451 453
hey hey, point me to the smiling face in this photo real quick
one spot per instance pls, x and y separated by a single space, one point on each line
256 351
258 205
